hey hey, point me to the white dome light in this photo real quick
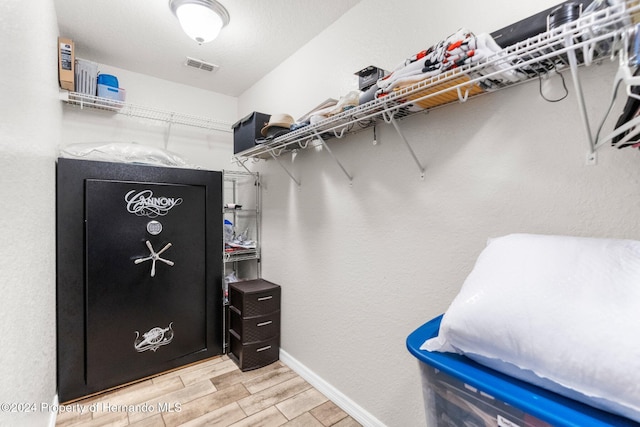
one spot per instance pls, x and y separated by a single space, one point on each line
201 20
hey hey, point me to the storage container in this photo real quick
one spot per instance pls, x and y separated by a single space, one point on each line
254 323
113 93
247 130
458 391
108 80
253 355
255 297
257 328
108 88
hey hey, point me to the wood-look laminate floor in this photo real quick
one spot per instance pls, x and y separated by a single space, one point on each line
211 393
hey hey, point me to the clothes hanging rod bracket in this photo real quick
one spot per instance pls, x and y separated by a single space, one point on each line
277 159
326 147
388 117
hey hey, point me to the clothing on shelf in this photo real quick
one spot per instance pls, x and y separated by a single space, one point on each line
462 48
630 111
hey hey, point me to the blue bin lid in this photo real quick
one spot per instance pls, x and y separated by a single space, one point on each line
107 80
550 407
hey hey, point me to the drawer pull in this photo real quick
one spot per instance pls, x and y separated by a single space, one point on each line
263 348
268 322
265 298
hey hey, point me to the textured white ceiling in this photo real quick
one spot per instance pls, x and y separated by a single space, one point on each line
145 37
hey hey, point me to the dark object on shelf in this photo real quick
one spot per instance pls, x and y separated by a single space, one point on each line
563 14
272 133
368 94
139 281
630 110
368 76
457 388
531 26
254 325
247 130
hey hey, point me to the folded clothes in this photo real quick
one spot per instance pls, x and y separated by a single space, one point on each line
298 125
446 54
459 49
501 71
249 244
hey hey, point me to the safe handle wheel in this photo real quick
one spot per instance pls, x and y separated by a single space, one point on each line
154 256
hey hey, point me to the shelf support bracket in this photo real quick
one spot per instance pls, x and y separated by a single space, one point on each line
303 145
463 98
242 163
388 117
326 147
284 168
573 65
341 133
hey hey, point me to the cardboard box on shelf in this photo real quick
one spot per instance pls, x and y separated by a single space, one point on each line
66 60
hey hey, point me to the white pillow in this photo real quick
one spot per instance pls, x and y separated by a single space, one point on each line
559 312
124 152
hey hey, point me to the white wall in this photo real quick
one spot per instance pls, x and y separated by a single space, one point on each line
363 265
34 125
29 133
209 149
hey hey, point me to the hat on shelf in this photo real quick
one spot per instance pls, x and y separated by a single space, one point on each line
282 121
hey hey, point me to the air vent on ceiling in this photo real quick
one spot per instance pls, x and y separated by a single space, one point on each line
196 63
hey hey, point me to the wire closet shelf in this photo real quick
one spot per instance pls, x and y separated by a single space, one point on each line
590 38
133 110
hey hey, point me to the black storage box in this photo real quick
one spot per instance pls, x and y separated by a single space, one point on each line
247 130
368 76
530 26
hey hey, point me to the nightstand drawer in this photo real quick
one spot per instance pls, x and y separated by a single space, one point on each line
254 297
253 355
258 328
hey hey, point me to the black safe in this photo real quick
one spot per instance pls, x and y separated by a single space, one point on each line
139 272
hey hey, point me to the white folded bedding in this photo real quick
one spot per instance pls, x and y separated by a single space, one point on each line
560 312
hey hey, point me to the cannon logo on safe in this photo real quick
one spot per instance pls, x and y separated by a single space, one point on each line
143 203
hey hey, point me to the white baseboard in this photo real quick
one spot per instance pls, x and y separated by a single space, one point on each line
335 395
54 414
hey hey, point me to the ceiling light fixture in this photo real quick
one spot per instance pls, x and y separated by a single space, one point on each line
202 20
